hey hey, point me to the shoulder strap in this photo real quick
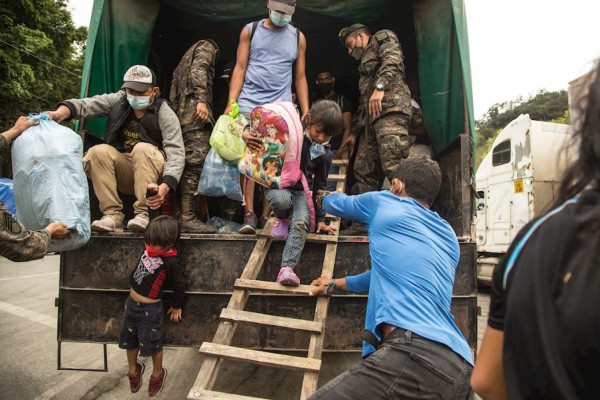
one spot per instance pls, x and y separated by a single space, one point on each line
254 26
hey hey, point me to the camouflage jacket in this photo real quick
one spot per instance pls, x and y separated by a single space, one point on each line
17 243
383 62
192 83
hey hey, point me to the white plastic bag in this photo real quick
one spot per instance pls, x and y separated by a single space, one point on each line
49 182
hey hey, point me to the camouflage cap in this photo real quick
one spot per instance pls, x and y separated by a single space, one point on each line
345 32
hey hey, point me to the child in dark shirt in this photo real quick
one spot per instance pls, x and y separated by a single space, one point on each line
142 329
290 205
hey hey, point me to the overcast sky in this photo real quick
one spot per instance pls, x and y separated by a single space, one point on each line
517 46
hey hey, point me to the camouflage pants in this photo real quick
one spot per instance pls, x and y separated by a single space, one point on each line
381 149
197 146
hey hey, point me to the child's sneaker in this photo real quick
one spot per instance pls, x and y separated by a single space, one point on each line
249 224
157 384
287 277
135 380
280 229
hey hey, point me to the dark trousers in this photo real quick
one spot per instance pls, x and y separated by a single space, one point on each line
405 367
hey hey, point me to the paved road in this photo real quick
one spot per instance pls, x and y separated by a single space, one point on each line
29 351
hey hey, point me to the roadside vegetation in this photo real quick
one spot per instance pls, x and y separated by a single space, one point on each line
543 106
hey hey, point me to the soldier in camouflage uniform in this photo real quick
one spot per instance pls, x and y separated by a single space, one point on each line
17 243
191 97
384 106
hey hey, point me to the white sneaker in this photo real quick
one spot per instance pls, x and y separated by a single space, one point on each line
108 223
139 223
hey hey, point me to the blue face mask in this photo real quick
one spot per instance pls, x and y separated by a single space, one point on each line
279 19
138 102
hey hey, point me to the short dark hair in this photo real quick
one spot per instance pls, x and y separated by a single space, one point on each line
162 231
421 176
327 113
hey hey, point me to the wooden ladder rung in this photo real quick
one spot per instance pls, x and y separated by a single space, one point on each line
212 395
271 320
261 357
311 237
318 238
339 162
272 287
336 177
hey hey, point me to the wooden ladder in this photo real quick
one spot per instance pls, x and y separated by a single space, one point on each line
220 348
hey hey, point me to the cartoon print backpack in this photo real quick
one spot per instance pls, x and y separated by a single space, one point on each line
277 164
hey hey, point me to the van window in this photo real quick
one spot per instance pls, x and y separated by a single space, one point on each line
501 153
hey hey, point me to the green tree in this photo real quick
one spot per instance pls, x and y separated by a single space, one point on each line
41 57
543 106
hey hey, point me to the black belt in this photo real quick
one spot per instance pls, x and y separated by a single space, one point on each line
370 338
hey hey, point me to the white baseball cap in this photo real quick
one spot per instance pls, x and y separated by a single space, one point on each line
139 78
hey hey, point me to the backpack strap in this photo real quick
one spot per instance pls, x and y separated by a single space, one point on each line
254 26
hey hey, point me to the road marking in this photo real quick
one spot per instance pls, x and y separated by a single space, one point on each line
113 352
28 314
28 276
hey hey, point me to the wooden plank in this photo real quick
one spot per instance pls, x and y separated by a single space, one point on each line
319 238
339 162
271 320
315 347
212 395
311 237
224 335
261 357
272 287
336 177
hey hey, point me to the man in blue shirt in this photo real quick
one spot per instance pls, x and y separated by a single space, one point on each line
413 348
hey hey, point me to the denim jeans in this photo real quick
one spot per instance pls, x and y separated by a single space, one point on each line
292 204
406 367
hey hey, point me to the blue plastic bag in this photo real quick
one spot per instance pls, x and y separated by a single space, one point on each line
7 196
220 178
49 182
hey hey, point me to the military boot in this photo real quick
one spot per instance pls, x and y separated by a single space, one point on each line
188 221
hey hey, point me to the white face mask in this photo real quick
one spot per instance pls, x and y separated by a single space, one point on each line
279 19
138 102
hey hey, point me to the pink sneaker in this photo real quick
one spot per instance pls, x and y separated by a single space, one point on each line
280 229
287 277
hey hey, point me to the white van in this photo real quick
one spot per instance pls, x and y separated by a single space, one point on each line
516 181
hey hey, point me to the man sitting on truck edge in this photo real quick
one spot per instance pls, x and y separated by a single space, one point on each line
143 145
191 97
384 107
412 347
